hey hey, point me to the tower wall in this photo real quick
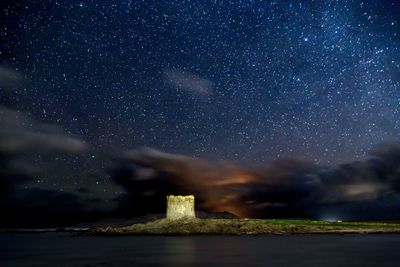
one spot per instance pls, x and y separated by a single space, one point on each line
179 207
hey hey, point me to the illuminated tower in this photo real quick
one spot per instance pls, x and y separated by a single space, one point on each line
179 207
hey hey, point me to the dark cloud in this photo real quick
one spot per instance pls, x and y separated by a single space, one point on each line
10 79
10 177
218 186
152 174
37 207
22 203
26 204
286 187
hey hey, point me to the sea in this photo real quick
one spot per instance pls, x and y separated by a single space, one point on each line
69 249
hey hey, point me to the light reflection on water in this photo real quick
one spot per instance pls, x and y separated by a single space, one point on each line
55 249
189 251
180 251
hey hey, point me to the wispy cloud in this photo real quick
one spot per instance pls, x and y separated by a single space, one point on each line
20 132
10 79
189 82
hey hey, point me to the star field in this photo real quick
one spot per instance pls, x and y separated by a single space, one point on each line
245 81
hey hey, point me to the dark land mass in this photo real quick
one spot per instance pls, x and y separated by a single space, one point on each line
246 227
115 223
120 222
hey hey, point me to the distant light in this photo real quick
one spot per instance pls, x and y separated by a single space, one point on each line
331 219
305 39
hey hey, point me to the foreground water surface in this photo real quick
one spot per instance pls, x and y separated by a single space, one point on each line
62 249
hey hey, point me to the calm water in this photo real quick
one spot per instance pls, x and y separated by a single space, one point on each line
60 249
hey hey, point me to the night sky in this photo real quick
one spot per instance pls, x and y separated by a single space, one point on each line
84 84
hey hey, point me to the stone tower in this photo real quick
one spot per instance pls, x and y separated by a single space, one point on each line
179 207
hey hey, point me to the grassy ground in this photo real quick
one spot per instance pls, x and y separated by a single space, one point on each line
247 227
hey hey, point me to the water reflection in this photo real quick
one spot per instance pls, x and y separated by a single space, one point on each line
60 249
180 251
203 250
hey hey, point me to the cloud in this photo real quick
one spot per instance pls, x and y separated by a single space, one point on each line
286 187
10 79
189 82
24 204
148 175
38 207
22 140
218 186
20 132
283 188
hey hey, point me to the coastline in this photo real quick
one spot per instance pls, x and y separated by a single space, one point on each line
245 227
